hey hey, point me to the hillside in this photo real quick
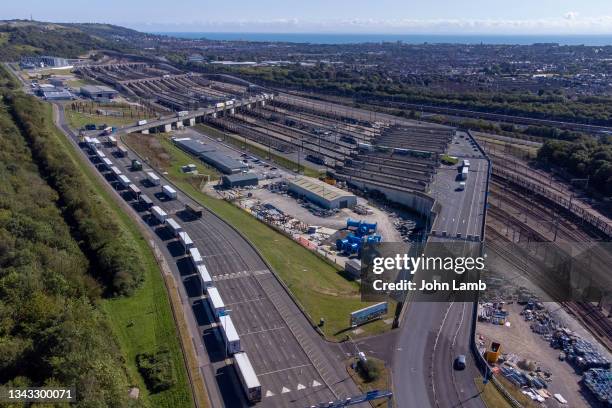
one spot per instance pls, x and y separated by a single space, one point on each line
22 37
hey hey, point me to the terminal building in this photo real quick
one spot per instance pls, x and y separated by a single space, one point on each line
321 193
99 92
239 180
224 163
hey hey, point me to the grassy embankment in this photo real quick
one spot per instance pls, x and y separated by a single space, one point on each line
142 322
77 119
317 284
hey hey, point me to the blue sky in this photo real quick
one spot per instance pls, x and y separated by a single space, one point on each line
340 16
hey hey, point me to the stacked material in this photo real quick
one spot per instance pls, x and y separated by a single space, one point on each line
599 382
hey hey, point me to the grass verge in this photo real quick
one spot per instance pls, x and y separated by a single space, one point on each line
383 382
142 322
317 285
490 395
258 150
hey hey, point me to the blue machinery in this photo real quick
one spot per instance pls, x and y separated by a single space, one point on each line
353 243
369 396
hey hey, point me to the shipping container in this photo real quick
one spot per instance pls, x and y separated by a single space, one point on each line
153 179
196 258
116 171
174 226
215 301
142 122
134 190
124 181
169 192
185 240
247 376
230 335
159 214
205 279
146 201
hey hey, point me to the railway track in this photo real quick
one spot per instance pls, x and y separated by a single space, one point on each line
589 315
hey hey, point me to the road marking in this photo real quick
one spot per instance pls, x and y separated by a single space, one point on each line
285 390
284 369
263 331
315 383
300 387
269 394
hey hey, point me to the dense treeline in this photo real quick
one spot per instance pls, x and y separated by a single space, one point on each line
51 332
114 255
583 158
375 87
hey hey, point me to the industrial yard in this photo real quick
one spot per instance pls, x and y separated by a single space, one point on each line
333 179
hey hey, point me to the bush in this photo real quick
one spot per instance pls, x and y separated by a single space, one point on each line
369 370
157 370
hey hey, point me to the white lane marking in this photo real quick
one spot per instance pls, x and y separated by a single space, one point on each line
300 387
285 390
263 331
269 394
315 383
284 369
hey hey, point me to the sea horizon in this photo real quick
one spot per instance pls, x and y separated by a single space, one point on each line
335 38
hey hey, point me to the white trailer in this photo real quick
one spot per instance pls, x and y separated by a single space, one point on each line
464 173
466 163
146 201
230 334
169 192
124 181
248 377
205 279
134 190
220 105
122 151
159 214
153 179
174 226
99 153
116 171
94 142
142 122
181 114
215 301
112 140
185 240
196 258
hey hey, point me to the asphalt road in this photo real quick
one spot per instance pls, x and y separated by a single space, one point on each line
293 364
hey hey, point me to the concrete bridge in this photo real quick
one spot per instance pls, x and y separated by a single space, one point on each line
167 123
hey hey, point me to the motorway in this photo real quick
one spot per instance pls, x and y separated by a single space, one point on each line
293 364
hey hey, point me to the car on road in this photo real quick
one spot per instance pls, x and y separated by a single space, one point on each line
459 363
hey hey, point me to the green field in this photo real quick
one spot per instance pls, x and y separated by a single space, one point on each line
317 284
77 119
142 322
259 151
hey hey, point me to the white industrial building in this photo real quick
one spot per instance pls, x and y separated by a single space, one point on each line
319 192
